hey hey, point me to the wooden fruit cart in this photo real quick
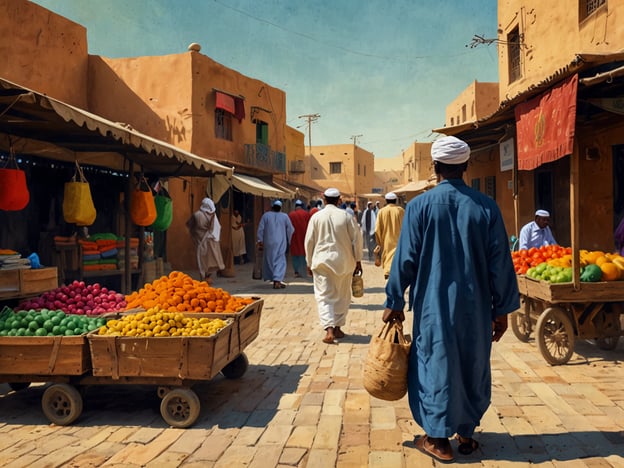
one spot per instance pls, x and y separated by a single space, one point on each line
561 313
172 364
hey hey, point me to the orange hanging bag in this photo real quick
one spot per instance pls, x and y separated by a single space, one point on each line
142 206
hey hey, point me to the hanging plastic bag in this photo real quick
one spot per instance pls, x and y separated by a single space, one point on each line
142 206
164 209
78 207
14 194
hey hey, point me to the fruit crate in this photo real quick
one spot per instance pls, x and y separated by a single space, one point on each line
601 291
44 355
173 357
246 323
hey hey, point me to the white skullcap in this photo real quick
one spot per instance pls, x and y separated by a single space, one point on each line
391 196
542 213
207 205
298 203
450 150
332 193
277 203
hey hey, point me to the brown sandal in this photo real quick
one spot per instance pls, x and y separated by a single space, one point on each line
428 446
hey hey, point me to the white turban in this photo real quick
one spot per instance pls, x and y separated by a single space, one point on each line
298 203
542 213
207 205
391 196
277 203
332 193
450 150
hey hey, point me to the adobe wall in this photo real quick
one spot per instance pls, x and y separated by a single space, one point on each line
347 181
262 102
479 100
43 51
552 35
152 94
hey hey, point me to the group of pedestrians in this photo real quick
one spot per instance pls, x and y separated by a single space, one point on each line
449 246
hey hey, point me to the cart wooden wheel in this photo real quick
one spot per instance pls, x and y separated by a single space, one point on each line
236 368
17 386
62 404
521 325
555 336
180 407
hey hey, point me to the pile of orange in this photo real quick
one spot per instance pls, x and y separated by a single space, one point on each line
178 292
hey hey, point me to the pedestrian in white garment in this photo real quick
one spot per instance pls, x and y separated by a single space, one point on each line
333 246
369 220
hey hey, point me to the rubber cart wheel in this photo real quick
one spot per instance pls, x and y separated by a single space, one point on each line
236 368
180 407
555 336
521 325
17 386
62 404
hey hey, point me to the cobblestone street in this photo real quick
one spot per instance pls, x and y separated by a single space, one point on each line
302 403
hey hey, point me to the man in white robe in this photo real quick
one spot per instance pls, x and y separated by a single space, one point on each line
333 246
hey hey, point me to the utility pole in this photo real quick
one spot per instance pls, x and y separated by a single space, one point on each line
310 119
355 138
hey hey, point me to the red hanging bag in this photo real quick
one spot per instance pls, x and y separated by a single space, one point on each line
14 194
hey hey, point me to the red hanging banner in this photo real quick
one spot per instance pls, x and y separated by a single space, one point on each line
545 125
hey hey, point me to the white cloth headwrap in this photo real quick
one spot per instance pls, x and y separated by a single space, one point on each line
207 205
332 193
391 196
542 213
450 150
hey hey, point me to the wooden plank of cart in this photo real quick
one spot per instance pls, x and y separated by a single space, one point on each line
560 313
172 364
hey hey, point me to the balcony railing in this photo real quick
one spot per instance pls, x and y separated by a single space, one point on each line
262 156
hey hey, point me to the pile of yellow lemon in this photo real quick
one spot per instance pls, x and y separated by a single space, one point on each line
156 322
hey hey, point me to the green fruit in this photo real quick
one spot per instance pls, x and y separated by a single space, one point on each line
33 325
69 332
56 330
21 332
48 325
41 332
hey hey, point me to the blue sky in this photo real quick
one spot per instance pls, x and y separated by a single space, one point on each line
382 69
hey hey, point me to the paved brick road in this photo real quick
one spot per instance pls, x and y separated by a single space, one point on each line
301 403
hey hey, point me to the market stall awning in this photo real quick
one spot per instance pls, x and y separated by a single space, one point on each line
255 186
415 187
34 124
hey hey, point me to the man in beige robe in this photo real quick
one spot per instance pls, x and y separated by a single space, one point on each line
205 231
387 230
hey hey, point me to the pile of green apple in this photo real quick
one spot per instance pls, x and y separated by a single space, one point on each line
551 274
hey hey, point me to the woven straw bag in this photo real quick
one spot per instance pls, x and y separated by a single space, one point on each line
385 368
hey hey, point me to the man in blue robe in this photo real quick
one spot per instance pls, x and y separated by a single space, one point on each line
453 253
274 233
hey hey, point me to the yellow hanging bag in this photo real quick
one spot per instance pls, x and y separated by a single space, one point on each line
78 207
